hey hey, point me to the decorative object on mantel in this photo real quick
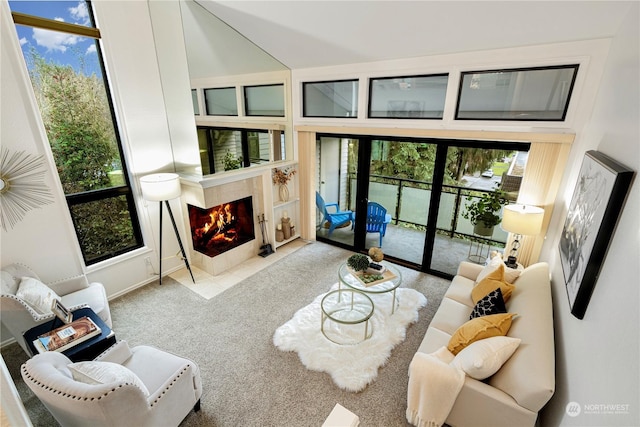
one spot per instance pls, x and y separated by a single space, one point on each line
521 220
161 187
352 367
282 178
22 185
595 207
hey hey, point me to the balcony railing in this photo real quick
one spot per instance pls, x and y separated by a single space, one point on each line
408 203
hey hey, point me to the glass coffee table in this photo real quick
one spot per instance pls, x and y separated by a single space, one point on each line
393 280
345 316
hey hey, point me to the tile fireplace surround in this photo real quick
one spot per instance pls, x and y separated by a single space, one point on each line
209 192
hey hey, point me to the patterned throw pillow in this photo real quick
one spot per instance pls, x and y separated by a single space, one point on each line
492 303
489 283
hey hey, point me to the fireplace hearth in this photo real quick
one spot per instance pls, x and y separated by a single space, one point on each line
221 228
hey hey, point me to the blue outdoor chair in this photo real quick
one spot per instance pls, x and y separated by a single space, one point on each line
335 219
377 219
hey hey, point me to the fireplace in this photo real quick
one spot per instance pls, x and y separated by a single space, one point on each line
221 228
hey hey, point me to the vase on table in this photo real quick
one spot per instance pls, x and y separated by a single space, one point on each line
283 191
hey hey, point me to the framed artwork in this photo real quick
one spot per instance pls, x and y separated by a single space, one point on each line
596 204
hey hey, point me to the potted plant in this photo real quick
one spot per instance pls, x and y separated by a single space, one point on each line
364 269
358 262
231 162
483 212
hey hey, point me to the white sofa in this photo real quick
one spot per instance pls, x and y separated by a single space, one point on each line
515 394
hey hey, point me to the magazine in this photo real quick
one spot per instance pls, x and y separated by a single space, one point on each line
67 336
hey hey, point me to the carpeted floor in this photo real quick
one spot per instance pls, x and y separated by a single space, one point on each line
247 381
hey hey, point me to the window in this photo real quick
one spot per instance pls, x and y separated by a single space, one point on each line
266 100
224 149
523 94
330 99
221 101
411 97
66 70
194 100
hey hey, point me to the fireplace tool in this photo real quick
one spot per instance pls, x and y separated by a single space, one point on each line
266 246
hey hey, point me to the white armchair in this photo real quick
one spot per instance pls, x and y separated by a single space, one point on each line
141 386
19 315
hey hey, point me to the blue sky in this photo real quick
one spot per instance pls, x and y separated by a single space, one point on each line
61 48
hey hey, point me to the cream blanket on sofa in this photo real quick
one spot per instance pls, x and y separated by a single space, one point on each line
433 388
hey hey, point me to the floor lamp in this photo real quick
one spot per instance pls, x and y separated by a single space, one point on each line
161 187
520 220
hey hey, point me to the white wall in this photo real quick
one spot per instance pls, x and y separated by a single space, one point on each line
597 357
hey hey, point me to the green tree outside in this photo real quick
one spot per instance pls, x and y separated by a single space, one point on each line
78 122
77 119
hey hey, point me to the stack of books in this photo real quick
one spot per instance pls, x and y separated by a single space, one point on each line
67 336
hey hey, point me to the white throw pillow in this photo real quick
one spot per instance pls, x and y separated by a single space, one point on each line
36 294
103 373
510 274
485 357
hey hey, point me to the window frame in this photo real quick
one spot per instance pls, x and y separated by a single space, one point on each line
206 104
85 197
575 67
304 94
370 97
245 99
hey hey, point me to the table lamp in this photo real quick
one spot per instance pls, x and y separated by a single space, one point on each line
521 220
161 187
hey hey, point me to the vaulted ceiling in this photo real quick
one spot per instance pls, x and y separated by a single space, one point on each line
312 33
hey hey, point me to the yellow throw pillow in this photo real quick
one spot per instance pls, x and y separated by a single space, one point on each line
490 283
480 328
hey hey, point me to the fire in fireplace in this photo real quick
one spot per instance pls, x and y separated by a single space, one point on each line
223 227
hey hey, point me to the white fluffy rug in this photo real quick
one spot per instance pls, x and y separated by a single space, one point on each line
352 367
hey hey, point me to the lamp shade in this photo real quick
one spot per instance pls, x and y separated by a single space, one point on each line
522 219
160 186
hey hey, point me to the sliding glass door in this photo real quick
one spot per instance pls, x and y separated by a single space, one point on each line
399 182
337 174
411 196
468 175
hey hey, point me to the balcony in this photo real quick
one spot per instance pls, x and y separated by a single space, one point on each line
408 203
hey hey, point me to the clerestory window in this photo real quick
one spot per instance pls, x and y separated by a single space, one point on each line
60 43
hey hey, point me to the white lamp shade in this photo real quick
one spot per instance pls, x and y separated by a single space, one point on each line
522 219
160 186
